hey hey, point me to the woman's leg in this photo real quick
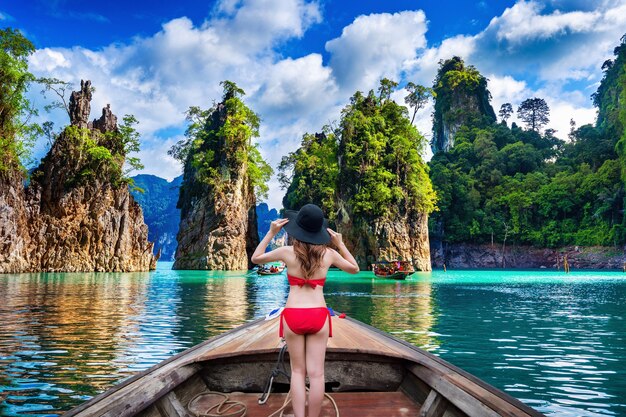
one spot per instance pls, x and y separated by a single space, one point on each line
295 346
315 355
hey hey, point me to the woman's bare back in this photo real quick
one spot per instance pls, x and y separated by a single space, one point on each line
305 296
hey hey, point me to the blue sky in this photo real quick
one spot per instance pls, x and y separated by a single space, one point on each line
102 23
300 60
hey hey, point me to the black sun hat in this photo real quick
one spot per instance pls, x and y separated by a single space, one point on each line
307 225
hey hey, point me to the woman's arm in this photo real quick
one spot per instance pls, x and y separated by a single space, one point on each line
259 256
342 259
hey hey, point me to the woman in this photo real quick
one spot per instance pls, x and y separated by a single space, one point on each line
305 321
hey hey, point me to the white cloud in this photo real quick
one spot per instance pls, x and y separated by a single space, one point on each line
298 86
524 22
375 46
158 77
156 160
556 46
424 67
47 60
561 112
508 90
252 25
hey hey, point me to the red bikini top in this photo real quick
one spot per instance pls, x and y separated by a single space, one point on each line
301 281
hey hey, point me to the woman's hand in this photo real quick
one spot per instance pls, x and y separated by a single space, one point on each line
335 237
277 224
344 259
260 256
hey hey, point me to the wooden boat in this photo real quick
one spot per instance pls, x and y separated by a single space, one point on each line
266 269
268 272
368 373
393 269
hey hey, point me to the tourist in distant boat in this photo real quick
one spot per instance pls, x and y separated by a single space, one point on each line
305 322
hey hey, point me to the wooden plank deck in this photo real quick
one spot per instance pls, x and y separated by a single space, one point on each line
347 337
351 337
350 404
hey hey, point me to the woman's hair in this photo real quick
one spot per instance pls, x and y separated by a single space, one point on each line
309 255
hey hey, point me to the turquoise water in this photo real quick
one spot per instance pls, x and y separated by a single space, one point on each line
555 341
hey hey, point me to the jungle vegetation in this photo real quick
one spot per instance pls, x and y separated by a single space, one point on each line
17 131
372 156
218 141
92 153
525 185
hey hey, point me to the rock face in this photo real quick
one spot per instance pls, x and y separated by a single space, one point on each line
467 256
384 194
461 97
14 238
403 237
80 105
218 225
75 217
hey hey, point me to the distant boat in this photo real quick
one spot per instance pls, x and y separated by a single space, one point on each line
368 372
272 268
393 269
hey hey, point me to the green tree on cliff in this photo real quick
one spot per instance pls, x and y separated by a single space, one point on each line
462 98
608 96
611 100
534 112
310 173
528 187
219 141
506 111
418 97
17 133
381 163
374 156
385 89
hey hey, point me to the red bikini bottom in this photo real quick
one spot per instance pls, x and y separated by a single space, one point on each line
305 320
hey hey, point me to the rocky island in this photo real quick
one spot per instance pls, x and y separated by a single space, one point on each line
369 177
76 214
512 196
223 172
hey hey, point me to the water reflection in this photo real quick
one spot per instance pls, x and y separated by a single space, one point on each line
406 311
556 343
267 292
403 308
61 329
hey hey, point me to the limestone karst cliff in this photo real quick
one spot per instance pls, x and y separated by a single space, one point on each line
369 177
14 237
218 224
76 214
461 97
384 194
403 235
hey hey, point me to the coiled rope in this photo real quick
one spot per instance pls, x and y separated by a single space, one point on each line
217 411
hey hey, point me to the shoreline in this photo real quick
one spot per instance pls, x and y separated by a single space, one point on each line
487 256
